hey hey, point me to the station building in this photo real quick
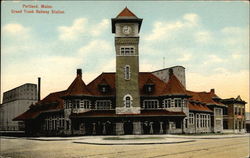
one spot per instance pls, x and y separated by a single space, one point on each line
126 101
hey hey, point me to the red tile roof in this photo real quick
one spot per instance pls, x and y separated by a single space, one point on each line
107 78
174 86
126 12
204 97
144 78
52 102
198 107
77 88
111 113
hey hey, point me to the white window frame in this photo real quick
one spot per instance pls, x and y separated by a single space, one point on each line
167 103
85 104
125 100
103 106
191 118
179 102
218 111
127 72
154 104
127 50
197 121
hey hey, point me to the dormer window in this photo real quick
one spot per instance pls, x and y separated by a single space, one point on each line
104 87
104 90
149 88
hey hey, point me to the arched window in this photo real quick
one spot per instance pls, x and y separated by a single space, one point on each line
127 100
127 72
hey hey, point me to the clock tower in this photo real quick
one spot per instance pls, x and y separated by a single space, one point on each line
126 27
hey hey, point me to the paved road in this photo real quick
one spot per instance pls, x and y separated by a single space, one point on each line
201 148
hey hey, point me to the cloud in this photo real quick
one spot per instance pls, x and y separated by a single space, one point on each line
99 47
97 29
163 30
80 27
211 59
185 57
236 55
15 29
203 37
73 32
192 18
235 36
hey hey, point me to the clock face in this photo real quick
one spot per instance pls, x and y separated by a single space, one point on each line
126 29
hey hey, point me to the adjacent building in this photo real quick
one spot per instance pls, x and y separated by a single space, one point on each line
234 115
15 102
126 101
179 72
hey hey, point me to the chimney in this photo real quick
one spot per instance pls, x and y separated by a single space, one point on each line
212 91
170 72
79 72
39 89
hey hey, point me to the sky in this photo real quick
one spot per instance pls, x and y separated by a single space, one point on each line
210 39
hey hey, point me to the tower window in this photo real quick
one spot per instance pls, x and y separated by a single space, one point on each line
127 100
127 72
127 50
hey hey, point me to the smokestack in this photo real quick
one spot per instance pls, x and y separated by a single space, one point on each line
79 72
39 89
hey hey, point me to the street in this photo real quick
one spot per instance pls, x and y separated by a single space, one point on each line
235 147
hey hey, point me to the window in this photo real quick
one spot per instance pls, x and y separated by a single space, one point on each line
103 104
149 89
178 103
85 104
127 50
127 72
127 100
235 110
150 104
218 111
103 89
208 120
191 118
167 103
197 120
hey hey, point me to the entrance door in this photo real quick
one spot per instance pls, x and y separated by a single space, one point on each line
128 127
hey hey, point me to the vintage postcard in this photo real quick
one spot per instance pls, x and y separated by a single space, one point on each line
124 79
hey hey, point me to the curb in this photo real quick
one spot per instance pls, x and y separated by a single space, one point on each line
187 141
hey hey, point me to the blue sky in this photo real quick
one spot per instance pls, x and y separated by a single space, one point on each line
210 39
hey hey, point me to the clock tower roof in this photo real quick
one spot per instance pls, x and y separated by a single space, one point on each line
126 13
125 16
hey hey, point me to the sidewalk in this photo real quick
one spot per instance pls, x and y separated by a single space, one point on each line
134 139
